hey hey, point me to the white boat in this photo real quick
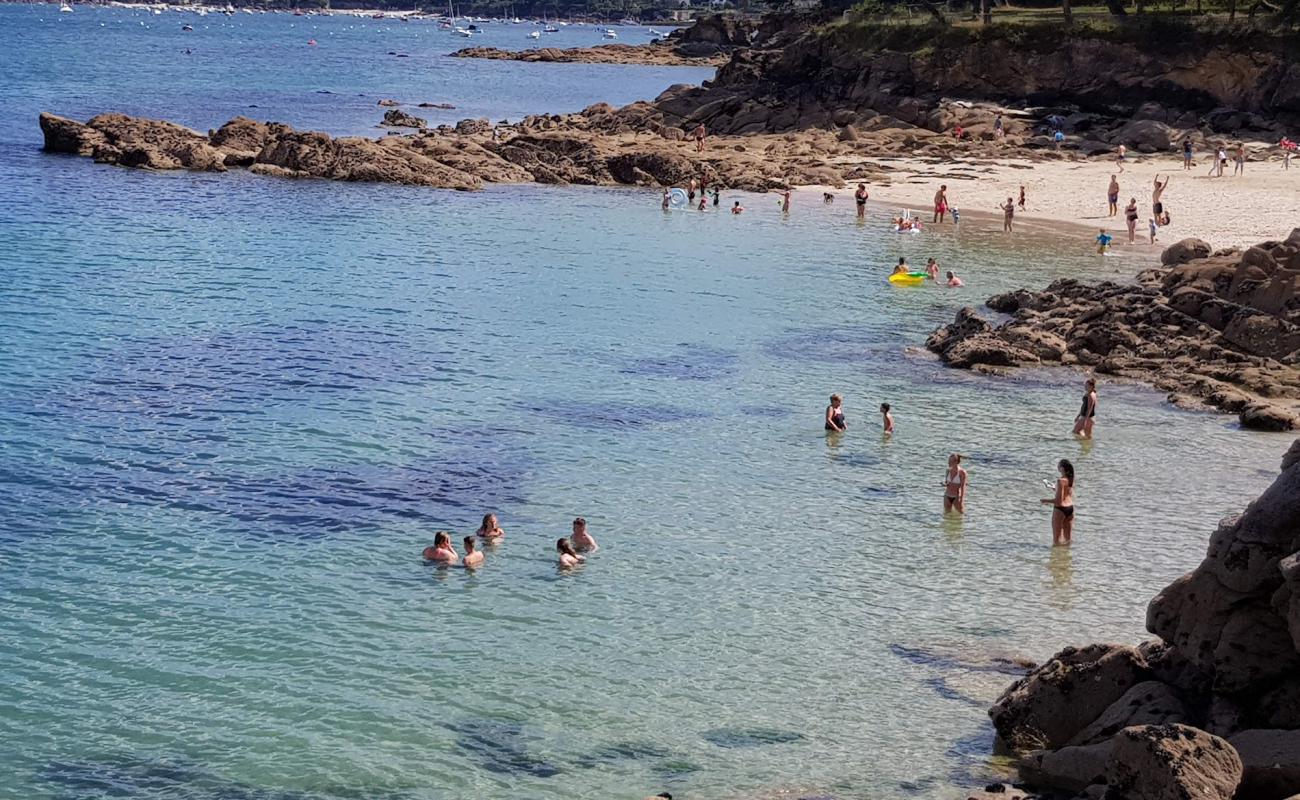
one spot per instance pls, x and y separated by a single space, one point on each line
609 34
550 29
461 32
65 9
535 35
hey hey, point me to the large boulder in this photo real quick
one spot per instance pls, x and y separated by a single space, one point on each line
1181 252
63 135
397 118
1147 703
1171 762
1053 704
1144 135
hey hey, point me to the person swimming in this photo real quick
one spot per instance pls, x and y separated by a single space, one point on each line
441 552
1062 504
888 418
954 486
473 558
568 557
902 267
954 281
581 540
737 208
1087 410
489 529
835 415
932 269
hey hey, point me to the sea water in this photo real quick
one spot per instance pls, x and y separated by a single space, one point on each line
234 409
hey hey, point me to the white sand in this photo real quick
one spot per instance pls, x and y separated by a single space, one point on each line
1227 211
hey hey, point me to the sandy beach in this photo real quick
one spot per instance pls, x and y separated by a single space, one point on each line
1227 211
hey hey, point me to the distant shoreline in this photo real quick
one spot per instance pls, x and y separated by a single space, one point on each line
209 6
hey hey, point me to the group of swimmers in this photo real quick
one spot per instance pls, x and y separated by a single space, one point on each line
931 272
443 553
955 480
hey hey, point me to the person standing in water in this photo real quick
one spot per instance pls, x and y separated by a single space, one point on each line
441 552
489 529
888 418
1008 214
785 202
860 198
473 558
1112 196
737 208
1062 503
1020 203
715 196
582 541
954 486
835 415
568 556
667 202
932 269
940 203
1087 410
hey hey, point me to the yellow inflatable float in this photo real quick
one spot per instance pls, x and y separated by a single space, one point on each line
908 278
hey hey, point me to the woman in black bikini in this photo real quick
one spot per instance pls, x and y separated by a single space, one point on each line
1062 505
835 415
860 197
1131 216
1087 411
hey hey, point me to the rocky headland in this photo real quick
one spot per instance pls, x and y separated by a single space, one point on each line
1220 328
1209 710
653 54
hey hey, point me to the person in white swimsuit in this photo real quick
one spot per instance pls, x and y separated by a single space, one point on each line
954 486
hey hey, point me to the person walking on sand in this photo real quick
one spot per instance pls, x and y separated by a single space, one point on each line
1062 503
1120 153
1158 189
954 486
1187 154
860 198
940 203
835 415
1131 218
1151 226
1021 202
1220 161
699 138
998 133
1087 410
1239 161
888 418
1112 195
1008 214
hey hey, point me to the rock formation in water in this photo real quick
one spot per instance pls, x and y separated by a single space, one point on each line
1210 710
654 54
1220 328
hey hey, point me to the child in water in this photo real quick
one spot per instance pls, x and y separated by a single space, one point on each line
473 558
954 281
889 418
1103 242
737 208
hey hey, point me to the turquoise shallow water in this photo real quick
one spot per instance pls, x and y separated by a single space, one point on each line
234 409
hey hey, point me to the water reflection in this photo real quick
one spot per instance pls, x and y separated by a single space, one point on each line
1060 566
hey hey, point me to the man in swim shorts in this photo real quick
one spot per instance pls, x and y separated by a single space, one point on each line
1157 208
1112 196
941 203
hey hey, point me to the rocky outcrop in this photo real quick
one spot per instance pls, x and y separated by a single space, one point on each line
655 54
1221 329
600 146
1209 710
396 118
